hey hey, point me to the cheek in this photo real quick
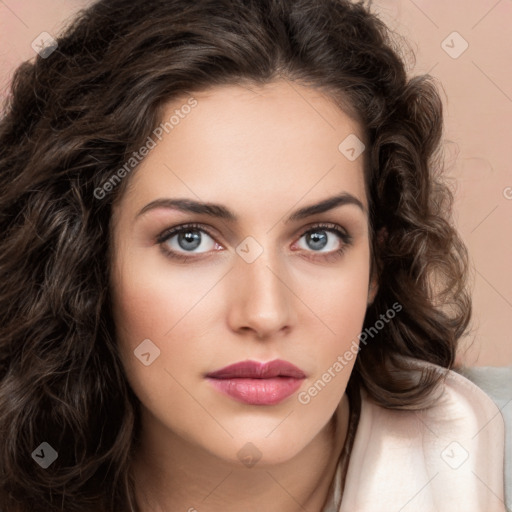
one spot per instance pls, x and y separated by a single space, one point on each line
151 297
167 307
342 308
152 328
340 303
340 298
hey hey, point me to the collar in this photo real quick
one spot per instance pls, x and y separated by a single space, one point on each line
444 458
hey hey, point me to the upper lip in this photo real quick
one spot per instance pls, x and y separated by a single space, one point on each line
256 370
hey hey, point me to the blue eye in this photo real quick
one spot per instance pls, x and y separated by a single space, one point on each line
186 238
182 241
317 239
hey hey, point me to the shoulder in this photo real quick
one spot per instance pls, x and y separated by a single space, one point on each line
447 457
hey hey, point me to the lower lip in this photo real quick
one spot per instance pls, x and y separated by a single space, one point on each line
258 391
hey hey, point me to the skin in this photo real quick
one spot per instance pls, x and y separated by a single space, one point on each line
263 152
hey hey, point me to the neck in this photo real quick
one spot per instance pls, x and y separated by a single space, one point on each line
173 475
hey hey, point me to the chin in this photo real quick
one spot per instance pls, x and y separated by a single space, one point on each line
262 448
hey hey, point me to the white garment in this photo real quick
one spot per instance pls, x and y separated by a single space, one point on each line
447 458
497 384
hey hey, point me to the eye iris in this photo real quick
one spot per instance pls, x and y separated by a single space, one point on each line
191 239
318 238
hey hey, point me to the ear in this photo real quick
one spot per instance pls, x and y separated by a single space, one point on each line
372 291
374 278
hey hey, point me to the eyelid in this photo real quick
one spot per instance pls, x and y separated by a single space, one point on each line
167 233
325 225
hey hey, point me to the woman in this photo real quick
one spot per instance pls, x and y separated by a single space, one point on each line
229 278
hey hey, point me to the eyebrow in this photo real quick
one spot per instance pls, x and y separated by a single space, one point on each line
221 212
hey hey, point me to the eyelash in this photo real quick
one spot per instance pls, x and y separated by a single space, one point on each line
331 256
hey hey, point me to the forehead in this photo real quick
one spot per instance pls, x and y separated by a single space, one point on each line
274 144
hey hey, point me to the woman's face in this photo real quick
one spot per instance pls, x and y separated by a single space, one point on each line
263 283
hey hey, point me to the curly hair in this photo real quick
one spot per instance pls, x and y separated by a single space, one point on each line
75 116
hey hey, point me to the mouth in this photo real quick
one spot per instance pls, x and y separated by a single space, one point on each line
255 383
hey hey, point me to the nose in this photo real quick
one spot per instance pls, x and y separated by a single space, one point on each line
261 301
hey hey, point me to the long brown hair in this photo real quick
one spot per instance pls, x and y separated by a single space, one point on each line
74 118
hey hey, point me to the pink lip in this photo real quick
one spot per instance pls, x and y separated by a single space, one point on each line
256 383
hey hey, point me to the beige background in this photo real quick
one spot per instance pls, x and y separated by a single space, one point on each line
477 94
